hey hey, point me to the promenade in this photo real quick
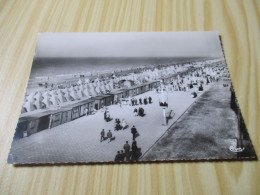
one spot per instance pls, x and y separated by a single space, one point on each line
205 131
79 140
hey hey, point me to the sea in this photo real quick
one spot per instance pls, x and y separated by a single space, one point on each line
61 66
61 70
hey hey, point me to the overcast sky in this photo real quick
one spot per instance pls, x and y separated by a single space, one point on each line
134 44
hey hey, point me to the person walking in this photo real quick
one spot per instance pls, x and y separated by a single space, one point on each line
134 151
135 101
145 100
102 135
109 135
105 115
133 131
127 151
150 100
132 101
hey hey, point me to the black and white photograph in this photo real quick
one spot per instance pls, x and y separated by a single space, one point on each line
129 97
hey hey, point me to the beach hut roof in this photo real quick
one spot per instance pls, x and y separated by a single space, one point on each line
118 91
77 104
26 118
99 97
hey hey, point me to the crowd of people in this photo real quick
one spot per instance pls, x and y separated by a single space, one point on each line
139 112
120 125
193 81
140 101
85 87
108 136
129 153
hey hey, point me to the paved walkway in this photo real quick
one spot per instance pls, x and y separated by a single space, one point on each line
79 140
205 131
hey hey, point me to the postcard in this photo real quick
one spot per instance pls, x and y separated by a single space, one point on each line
129 97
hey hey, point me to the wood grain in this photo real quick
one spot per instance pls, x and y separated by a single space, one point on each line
238 24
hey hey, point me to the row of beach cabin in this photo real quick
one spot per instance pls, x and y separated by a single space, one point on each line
30 124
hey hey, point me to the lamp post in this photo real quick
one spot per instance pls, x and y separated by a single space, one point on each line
163 103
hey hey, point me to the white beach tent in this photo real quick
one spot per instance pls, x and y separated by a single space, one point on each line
97 90
53 98
65 93
86 81
86 93
102 88
91 90
37 100
60 96
45 99
73 95
28 104
79 94
111 85
107 87
79 82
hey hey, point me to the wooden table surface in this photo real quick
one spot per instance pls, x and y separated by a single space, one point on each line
237 22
